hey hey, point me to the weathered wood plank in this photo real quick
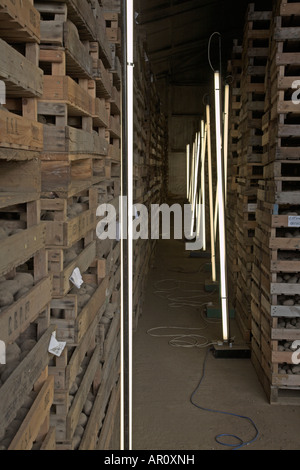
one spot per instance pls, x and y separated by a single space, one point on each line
15 390
39 411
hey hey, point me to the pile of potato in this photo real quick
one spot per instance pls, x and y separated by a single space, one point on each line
6 231
286 346
108 316
288 255
88 406
17 422
15 353
71 253
293 278
289 323
288 301
84 295
77 207
13 289
289 369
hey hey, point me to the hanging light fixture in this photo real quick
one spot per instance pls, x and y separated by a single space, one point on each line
226 137
188 176
202 200
211 196
221 210
195 182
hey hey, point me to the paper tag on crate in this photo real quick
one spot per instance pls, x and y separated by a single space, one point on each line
76 278
56 347
294 221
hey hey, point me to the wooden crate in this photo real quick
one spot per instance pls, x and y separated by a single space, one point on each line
62 266
66 225
19 248
27 84
20 21
20 133
73 321
70 56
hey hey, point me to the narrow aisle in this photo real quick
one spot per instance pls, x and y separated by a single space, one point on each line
165 377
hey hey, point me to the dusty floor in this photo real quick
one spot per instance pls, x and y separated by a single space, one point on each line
166 376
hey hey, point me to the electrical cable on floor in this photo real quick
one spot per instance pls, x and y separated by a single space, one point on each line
176 301
182 340
219 438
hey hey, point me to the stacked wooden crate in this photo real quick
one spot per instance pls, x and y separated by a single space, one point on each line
254 61
107 406
80 112
234 71
276 292
26 388
150 161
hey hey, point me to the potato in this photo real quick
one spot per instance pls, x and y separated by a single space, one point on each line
76 442
90 289
70 255
10 368
24 279
6 299
23 291
83 419
73 390
83 300
3 233
79 431
5 444
12 352
288 303
28 345
78 208
88 407
296 369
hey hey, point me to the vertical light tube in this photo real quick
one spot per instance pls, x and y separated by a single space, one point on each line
211 196
126 330
194 170
226 138
221 208
195 184
203 182
123 216
130 60
187 171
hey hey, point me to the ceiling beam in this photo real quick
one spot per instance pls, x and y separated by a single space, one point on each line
159 14
167 52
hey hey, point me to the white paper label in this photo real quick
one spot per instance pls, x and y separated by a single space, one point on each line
76 278
55 347
252 207
294 221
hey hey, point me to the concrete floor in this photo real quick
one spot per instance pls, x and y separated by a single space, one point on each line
166 376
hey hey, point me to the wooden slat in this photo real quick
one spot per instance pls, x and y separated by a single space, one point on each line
39 411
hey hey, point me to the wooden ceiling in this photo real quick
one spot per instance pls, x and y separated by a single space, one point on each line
178 34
